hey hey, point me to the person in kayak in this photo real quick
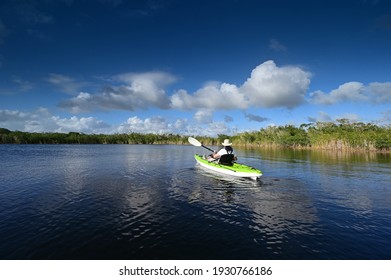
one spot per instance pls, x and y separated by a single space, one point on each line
227 149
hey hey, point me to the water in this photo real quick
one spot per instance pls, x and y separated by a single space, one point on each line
154 202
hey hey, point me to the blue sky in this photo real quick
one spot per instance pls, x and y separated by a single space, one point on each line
192 67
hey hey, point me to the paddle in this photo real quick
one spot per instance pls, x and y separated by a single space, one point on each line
197 143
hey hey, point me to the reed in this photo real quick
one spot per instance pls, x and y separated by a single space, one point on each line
342 135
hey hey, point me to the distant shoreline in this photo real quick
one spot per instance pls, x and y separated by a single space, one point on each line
341 136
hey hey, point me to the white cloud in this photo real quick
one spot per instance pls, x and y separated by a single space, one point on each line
42 120
203 116
212 96
180 125
157 125
354 92
84 124
269 86
211 129
140 92
351 91
215 128
380 92
24 121
84 102
146 81
161 125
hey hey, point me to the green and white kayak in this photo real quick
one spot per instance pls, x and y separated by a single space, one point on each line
236 169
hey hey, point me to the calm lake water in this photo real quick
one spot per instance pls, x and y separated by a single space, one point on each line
154 202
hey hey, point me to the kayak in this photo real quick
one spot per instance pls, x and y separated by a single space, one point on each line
236 169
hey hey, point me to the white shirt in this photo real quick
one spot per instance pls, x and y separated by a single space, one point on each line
223 151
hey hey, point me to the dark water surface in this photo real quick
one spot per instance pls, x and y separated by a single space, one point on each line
154 202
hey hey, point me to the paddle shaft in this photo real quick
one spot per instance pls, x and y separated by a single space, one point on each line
207 148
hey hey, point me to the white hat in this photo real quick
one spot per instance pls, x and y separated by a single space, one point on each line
226 142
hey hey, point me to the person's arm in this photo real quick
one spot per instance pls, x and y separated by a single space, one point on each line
219 154
215 155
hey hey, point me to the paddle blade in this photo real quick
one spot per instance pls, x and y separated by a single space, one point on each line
194 142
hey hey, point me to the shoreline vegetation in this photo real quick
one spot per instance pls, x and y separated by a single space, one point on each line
341 135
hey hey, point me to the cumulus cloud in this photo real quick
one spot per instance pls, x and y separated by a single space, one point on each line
83 124
211 96
161 125
354 92
140 91
380 92
351 91
157 125
26 121
147 80
268 86
42 120
84 102
203 116
211 129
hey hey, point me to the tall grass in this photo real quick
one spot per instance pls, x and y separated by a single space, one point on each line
342 135
322 135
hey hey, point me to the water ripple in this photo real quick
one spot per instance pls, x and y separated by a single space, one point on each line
143 202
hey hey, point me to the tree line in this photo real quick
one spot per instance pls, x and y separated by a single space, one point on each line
19 137
340 135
